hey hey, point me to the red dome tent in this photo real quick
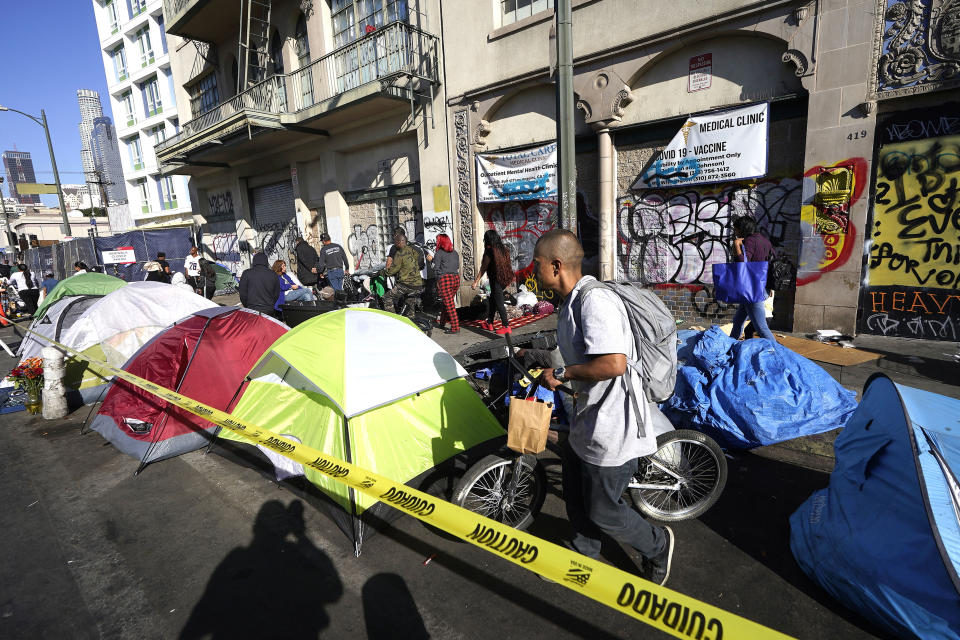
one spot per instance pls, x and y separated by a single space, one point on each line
205 356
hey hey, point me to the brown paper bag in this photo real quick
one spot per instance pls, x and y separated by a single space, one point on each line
528 425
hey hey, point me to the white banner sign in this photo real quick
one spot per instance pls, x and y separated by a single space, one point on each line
530 174
123 255
716 147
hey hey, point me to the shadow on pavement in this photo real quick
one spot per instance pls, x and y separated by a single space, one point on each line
279 585
754 515
389 610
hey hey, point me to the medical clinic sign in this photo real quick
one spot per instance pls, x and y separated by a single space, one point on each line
716 147
530 174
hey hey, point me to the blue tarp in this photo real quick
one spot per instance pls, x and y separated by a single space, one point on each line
884 537
752 393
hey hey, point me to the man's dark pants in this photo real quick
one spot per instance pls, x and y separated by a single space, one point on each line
399 292
594 500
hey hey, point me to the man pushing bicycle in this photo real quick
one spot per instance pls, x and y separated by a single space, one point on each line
607 436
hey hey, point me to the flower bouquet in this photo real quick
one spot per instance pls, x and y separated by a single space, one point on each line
28 375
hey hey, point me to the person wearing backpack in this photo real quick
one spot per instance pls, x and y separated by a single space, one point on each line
208 278
614 424
749 245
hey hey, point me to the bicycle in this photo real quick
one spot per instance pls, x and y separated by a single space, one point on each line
681 480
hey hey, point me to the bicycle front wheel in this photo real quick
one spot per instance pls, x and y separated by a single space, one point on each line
486 489
683 479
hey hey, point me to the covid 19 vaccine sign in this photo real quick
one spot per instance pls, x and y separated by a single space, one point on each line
714 147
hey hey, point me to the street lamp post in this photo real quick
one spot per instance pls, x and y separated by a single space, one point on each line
42 121
6 220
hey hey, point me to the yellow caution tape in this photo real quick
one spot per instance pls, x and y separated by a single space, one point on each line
659 607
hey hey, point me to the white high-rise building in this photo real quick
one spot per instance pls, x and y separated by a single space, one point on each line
137 66
100 152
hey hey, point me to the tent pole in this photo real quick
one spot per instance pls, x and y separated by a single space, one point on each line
216 431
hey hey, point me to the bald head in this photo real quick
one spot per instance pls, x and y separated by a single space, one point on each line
561 245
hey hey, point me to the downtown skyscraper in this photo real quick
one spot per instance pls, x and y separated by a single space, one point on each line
99 151
19 168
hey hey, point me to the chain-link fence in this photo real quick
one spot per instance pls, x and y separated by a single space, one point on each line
60 258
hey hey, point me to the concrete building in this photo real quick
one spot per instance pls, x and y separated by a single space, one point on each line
19 168
862 134
137 65
99 151
77 196
308 117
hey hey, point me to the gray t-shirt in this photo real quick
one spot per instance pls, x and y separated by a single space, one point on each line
604 429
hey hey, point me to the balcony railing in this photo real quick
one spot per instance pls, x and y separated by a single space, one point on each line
396 51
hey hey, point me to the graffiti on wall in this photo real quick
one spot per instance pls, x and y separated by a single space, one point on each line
919 47
913 257
828 234
225 249
220 205
520 224
277 239
370 246
433 225
674 237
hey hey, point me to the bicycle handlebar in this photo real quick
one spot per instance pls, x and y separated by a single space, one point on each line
513 362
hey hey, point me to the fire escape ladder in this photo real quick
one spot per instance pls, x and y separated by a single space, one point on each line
254 43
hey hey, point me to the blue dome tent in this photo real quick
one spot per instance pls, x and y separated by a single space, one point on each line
884 537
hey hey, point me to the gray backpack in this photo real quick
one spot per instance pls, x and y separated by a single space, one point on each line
654 335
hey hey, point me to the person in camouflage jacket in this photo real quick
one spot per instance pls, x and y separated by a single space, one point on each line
406 268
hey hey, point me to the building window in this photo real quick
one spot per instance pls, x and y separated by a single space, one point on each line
302 43
353 19
113 20
388 219
374 56
119 63
128 110
136 153
136 7
276 67
144 195
146 49
163 33
203 94
168 196
158 134
151 97
513 10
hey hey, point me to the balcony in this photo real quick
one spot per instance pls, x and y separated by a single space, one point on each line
379 72
200 19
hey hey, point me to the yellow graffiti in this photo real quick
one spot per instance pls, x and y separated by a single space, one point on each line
916 223
531 284
833 243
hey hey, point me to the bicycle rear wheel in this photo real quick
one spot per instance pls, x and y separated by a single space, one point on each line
683 479
484 489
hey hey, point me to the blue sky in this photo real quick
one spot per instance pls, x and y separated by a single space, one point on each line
49 49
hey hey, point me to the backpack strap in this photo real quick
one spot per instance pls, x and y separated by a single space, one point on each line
588 286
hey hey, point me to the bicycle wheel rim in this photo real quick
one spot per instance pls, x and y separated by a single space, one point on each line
486 495
699 469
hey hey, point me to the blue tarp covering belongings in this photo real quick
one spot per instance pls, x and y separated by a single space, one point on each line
884 537
752 393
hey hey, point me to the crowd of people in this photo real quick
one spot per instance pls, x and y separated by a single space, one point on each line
22 291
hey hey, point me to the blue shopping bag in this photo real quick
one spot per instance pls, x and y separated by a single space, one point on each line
739 282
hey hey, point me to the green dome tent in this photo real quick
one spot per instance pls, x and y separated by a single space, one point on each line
370 388
81 284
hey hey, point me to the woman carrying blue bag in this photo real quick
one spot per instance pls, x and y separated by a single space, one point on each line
751 246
